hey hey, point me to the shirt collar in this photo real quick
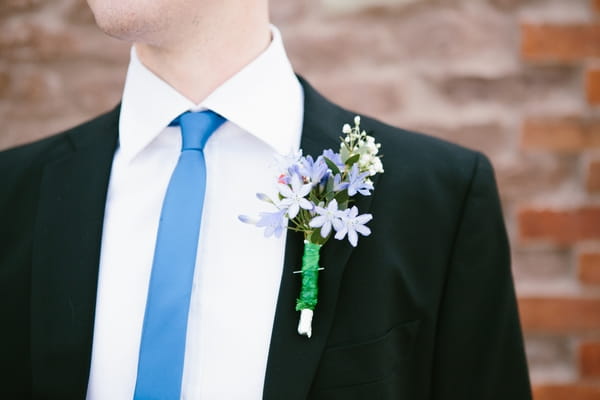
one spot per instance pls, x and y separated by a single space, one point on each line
264 99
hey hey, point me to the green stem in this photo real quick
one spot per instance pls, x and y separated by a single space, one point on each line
310 275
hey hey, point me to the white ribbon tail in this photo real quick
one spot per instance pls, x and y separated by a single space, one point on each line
305 324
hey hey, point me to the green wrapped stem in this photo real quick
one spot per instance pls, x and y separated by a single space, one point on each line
310 276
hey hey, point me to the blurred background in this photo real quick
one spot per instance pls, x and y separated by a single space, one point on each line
516 79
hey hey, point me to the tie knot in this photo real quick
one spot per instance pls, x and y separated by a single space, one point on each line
196 128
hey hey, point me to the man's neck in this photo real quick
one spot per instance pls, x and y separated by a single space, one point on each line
200 61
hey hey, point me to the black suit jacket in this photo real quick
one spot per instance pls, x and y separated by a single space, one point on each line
424 308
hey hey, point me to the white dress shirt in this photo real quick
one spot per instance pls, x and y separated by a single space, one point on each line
238 270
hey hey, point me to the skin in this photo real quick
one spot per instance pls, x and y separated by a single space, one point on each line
194 45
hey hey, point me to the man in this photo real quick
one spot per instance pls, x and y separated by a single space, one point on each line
424 308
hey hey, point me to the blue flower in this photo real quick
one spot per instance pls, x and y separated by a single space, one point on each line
353 224
327 217
295 170
284 179
336 158
294 196
338 185
273 222
315 171
357 182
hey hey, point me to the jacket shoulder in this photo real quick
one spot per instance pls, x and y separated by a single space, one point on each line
424 153
36 153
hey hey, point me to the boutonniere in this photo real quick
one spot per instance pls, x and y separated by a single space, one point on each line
315 197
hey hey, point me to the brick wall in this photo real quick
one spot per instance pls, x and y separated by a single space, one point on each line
562 318
516 79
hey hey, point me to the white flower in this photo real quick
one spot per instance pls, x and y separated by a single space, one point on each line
376 166
293 196
327 218
346 129
357 120
366 147
371 146
353 225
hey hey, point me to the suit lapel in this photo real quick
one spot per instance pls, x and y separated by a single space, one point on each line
293 359
66 251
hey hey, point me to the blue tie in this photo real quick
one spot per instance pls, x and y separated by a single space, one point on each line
162 348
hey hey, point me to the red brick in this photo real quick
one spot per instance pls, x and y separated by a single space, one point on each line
30 41
593 86
10 6
552 42
589 359
566 392
560 315
4 83
78 12
562 134
560 226
589 268
597 5
593 176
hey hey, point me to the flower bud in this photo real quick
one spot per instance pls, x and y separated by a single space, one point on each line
263 197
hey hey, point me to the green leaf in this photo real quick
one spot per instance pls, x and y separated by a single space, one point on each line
312 196
316 237
334 168
341 197
350 161
329 186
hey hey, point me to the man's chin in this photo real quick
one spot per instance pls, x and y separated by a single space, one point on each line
123 23
126 32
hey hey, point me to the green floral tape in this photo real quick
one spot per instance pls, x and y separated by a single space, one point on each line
310 276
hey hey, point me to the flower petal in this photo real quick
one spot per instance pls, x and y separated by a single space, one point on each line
352 237
285 190
269 231
307 205
332 207
338 224
364 218
304 190
247 220
317 221
278 231
341 233
326 229
263 197
293 210
363 230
